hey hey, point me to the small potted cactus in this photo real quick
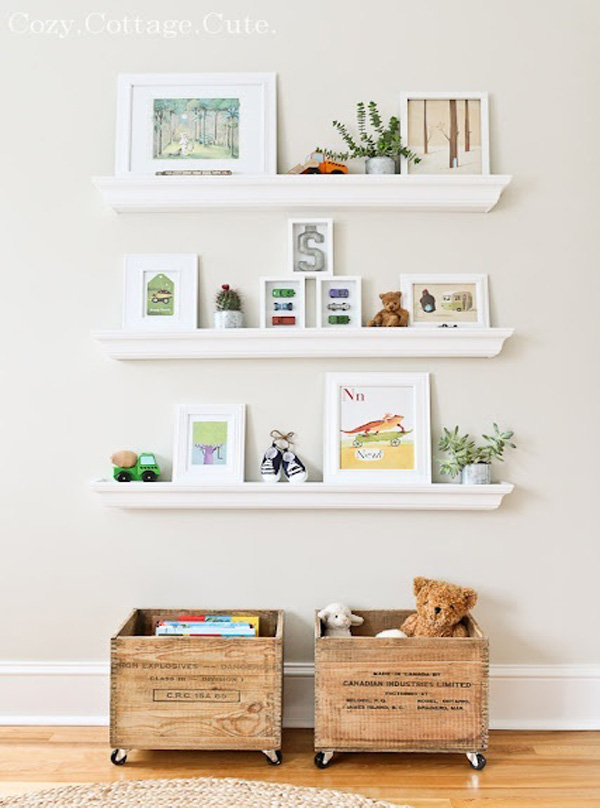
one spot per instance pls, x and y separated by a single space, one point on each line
228 313
471 461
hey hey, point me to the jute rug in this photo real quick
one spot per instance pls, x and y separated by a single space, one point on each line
204 792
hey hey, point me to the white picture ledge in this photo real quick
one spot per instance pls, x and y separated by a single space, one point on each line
167 495
263 343
433 193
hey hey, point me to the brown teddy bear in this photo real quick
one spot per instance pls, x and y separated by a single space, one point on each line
392 313
441 607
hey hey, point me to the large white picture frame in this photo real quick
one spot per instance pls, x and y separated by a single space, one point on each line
196 121
471 156
377 429
160 291
457 300
209 444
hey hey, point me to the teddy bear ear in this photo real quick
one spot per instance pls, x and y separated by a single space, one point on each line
419 583
470 597
382 295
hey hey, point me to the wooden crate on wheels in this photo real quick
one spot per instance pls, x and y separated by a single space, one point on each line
196 692
400 694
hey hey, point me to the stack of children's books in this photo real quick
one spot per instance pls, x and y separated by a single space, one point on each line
210 625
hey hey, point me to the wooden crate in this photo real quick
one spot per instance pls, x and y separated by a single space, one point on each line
198 692
412 694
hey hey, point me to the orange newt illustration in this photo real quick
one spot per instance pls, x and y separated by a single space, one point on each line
389 422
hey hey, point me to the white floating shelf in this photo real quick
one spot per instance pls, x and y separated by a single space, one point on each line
436 193
259 343
167 495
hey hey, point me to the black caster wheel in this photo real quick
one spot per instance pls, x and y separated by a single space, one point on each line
320 760
477 761
277 761
118 757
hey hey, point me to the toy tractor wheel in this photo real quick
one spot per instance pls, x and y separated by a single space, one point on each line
336 171
124 477
148 475
312 170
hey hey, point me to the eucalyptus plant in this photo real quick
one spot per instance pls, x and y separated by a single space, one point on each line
228 300
382 141
463 451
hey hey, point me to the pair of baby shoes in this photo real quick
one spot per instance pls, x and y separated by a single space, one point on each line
275 461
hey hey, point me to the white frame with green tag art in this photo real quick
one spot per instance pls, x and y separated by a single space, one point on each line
161 292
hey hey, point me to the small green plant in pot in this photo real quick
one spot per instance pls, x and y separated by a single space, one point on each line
228 305
471 461
381 145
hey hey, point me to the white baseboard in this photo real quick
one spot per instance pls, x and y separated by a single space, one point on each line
545 697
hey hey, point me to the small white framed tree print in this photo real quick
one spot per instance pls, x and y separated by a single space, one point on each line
448 131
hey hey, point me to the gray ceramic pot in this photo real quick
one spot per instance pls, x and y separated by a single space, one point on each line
380 165
476 474
229 319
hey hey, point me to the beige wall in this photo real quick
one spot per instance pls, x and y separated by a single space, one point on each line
74 568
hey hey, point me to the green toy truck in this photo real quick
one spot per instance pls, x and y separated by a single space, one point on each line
131 467
339 319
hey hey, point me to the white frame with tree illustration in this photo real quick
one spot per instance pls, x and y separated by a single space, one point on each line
135 120
405 166
184 471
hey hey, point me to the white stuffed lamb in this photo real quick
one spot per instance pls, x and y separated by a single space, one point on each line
338 619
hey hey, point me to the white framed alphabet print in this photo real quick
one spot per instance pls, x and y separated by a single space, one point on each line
377 428
310 247
160 291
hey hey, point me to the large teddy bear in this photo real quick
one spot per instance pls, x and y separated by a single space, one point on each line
392 313
441 607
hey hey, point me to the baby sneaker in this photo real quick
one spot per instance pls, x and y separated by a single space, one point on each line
294 468
270 468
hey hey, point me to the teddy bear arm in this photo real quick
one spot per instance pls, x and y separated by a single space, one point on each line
460 631
409 625
376 321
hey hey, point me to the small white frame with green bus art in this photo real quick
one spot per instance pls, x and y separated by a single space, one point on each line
161 292
454 300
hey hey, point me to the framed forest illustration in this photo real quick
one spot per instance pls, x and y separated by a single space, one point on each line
196 121
448 131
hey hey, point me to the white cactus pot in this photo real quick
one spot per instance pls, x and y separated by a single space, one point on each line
229 319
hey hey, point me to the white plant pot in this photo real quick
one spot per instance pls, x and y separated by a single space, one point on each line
229 319
476 474
380 165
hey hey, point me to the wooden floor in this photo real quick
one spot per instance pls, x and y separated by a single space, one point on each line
525 769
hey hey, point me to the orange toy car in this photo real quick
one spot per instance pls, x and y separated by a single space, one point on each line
316 163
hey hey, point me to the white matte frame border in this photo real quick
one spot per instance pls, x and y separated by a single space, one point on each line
481 291
356 313
127 82
135 265
300 301
231 473
419 381
418 95
328 250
